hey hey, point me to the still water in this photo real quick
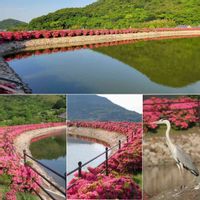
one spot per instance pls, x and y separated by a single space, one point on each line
51 151
165 66
165 178
82 150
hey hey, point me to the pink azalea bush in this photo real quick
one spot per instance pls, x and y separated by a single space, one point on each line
126 128
121 165
27 35
22 177
181 112
99 186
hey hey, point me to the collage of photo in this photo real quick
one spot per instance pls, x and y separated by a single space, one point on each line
99 99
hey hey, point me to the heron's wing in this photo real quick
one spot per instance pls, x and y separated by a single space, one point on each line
186 161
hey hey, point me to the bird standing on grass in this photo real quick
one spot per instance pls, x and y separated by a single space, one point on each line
183 160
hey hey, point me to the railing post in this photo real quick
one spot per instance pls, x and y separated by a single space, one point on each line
79 169
107 161
24 154
120 144
198 110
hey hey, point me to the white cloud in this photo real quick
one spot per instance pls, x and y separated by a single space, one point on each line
133 102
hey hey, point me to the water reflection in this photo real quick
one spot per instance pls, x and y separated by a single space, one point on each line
81 150
142 67
52 154
164 178
166 66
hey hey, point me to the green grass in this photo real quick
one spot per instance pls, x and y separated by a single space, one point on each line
138 179
5 181
20 196
3 190
26 196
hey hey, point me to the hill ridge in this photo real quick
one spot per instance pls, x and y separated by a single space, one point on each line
122 14
97 108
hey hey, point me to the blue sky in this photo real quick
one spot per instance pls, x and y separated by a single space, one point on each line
25 10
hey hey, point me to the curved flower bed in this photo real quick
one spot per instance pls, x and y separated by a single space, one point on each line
121 166
22 178
27 35
129 129
26 54
181 112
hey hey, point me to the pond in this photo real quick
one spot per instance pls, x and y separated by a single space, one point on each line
160 66
51 151
165 178
82 150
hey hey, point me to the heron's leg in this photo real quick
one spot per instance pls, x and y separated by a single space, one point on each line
197 187
179 168
182 172
177 194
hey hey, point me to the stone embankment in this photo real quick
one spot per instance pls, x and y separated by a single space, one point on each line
13 47
156 152
7 74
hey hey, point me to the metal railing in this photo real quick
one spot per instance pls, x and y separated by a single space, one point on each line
106 162
25 156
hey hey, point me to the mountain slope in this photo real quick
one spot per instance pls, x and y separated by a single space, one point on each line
123 14
96 108
11 23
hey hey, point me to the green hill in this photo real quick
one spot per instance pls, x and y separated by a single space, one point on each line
123 14
96 108
16 110
8 24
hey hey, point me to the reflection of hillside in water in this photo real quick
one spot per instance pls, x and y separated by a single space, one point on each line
164 178
173 63
51 152
49 148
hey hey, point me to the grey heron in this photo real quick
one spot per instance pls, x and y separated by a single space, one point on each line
183 160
